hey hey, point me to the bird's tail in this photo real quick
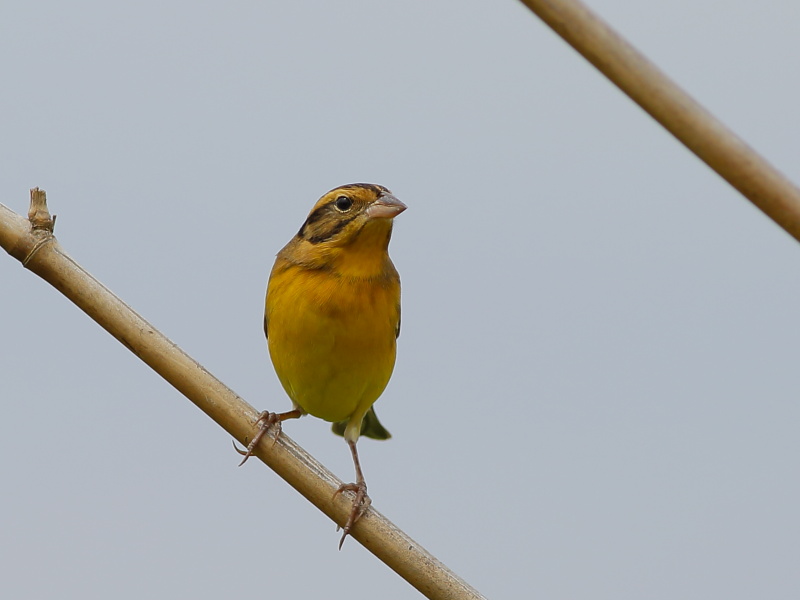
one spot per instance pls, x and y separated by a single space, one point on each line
370 427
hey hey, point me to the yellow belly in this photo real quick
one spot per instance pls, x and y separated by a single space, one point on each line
332 340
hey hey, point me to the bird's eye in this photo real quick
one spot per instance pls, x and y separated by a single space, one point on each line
343 203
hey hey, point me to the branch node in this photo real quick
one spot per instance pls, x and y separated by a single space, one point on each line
42 224
38 214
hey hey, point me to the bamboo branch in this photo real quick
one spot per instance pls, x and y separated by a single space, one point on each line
31 241
679 113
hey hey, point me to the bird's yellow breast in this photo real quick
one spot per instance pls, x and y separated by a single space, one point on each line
332 337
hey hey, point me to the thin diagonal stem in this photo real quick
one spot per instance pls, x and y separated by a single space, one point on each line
679 113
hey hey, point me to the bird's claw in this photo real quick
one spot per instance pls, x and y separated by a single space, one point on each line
265 420
360 504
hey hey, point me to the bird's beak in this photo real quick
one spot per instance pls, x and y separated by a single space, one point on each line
385 207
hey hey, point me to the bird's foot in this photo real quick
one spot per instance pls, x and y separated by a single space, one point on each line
265 420
360 504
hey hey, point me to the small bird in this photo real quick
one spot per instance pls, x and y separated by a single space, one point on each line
332 318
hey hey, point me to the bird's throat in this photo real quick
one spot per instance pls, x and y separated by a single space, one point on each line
366 255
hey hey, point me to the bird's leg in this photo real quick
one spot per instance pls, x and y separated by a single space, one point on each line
359 488
266 420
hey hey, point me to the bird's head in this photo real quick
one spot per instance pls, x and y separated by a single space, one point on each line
352 214
348 232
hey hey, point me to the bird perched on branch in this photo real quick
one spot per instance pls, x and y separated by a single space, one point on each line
332 317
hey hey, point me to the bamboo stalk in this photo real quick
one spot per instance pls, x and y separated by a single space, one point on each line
679 113
31 241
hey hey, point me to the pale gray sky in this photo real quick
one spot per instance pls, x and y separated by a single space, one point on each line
596 390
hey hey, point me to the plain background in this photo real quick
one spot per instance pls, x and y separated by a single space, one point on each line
596 394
